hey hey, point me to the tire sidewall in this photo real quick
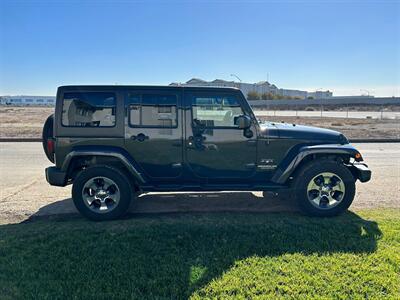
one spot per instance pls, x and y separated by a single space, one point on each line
125 188
308 173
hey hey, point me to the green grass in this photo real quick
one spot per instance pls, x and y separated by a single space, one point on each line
230 255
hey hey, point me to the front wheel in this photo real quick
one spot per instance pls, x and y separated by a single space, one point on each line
324 188
102 193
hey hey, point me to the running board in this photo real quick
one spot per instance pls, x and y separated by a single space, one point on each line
212 187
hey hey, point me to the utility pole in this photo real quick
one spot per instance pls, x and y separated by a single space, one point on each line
240 80
365 91
233 75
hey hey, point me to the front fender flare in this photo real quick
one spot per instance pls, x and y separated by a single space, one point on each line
289 165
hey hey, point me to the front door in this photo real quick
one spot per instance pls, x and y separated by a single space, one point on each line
153 134
215 147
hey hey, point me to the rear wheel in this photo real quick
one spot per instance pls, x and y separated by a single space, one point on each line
324 188
102 193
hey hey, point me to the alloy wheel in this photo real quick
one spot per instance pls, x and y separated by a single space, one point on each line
326 190
101 194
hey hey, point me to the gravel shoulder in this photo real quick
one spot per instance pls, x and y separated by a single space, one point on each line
25 194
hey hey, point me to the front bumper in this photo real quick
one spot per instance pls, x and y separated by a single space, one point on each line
55 176
361 171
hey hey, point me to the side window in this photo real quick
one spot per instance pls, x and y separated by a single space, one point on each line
215 111
150 110
88 109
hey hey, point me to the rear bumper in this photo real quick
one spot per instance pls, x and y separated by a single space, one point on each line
55 176
361 171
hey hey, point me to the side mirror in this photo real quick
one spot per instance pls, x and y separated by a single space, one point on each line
243 122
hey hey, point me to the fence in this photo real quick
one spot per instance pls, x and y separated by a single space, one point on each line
358 108
329 101
323 113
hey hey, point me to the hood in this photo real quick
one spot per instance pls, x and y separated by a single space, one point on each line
300 132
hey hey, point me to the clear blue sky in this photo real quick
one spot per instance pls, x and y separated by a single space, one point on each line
341 45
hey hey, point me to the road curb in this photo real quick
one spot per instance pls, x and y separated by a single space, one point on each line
374 140
29 140
19 140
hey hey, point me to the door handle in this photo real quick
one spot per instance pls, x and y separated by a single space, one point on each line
140 137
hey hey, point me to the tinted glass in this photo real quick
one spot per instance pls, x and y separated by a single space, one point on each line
89 109
215 111
150 110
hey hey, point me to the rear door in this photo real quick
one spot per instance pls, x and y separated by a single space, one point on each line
216 149
153 134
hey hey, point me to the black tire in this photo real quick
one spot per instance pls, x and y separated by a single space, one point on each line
48 133
126 192
304 176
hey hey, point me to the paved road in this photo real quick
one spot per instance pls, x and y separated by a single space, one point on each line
330 114
24 191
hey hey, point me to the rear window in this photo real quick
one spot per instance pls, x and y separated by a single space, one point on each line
88 109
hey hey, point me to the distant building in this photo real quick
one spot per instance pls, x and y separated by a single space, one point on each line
356 97
261 87
28 100
320 94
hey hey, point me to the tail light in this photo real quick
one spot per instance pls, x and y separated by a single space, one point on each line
50 145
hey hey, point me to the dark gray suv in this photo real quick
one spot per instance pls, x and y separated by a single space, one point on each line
114 142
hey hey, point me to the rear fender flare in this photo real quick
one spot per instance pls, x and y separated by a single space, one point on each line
115 153
289 165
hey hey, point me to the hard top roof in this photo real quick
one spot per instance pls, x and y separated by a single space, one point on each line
142 87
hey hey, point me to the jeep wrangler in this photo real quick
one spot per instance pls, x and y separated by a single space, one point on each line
115 142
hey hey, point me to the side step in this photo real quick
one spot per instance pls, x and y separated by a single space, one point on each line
212 187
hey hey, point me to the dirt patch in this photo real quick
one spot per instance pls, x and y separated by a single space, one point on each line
23 121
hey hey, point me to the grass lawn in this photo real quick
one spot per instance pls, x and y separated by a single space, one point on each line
224 255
